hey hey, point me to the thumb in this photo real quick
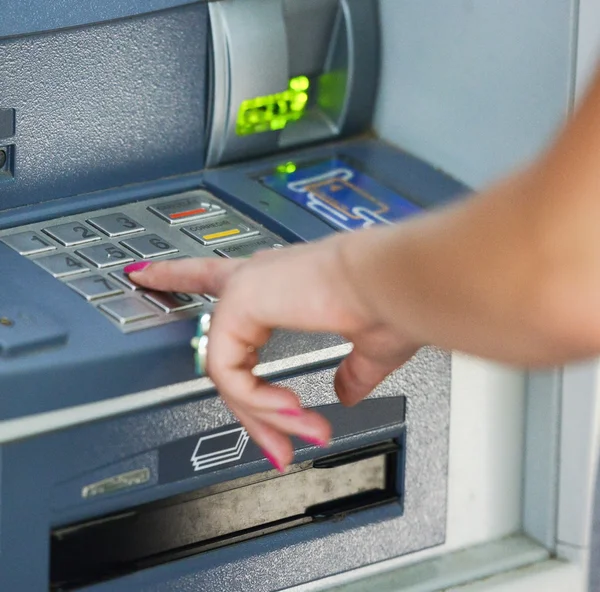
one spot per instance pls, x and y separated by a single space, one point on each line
359 374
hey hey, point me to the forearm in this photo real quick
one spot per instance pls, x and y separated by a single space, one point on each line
511 274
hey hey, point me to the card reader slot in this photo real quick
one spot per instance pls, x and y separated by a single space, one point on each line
188 524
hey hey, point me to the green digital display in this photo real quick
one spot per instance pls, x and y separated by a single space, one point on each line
273 112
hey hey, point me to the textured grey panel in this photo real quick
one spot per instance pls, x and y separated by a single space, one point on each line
475 87
30 16
107 105
425 380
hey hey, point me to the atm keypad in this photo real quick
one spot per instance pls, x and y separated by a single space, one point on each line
72 234
117 224
89 251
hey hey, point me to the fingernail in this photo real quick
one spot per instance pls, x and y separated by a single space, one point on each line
316 441
273 461
139 266
290 412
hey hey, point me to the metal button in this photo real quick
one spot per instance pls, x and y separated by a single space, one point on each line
93 287
123 278
128 310
72 234
247 248
116 224
28 243
62 264
149 245
173 302
105 255
221 230
186 208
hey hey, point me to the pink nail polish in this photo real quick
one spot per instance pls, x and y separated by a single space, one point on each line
139 266
315 441
273 461
290 412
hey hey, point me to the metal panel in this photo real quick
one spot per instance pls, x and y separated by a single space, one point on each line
307 553
104 106
31 16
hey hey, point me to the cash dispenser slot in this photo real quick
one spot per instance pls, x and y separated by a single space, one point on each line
239 510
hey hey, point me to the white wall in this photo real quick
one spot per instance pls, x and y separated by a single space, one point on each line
474 86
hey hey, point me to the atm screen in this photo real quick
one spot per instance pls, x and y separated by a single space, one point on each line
339 193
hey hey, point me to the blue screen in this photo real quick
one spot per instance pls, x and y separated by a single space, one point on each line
340 194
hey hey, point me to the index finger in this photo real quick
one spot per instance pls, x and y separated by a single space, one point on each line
201 275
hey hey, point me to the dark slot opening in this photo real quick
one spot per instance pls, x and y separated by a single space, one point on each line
188 524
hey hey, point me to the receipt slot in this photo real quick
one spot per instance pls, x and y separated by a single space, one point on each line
168 129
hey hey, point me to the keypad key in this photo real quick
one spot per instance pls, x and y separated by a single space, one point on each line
105 255
128 310
174 302
94 287
220 230
149 245
72 234
62 265
116 224
247 248
186 208
28 243
123 279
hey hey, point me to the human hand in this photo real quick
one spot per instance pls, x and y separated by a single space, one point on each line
304 288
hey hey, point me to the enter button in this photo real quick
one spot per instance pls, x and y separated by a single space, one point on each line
247 248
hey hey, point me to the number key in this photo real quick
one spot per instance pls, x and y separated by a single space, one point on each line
116 224
62 264
173 302
93 287
28 243
149 245
105 255
72 234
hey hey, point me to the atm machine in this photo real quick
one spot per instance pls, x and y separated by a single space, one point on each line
153 130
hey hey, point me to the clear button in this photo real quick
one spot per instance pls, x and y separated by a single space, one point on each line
186 208
221 230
